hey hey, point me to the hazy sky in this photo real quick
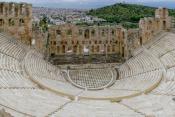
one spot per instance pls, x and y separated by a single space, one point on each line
93 3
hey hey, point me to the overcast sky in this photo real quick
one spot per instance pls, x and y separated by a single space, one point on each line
93 3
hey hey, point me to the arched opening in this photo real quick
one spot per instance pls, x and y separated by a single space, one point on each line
21 22
58 32
11 11
123 34
75 49
1 22
164 12
92 49
27 12
52 54
98 48
63 49
103 32
6 11
80 32
109 48
164 25
123 51
113 32
11 22
20 9
1 8
69 32
58 49
141 41
80 49
16 11
93 32
86 34
113 48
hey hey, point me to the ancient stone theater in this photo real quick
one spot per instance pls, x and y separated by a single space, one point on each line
140 83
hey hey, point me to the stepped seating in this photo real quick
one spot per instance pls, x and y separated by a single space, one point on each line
33 102
160 101
9 63
152 105
127 87
138 64
168 59
43 73
167 86
11 74
39 72
163 46
140 82
9 79
95 109
38 67
11 48
141 74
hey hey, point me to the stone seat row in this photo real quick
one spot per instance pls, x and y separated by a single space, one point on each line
13 79
9 63
147 81
168 60
40 67
139 64
163 46
167 85
11 49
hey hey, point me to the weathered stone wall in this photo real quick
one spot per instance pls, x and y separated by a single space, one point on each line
173 22
16 19
72 39
39 39
148 28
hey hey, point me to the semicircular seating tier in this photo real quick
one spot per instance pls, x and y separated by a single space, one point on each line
30 86
147 74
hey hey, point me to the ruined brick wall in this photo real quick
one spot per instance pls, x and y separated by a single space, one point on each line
79 40
165 20
16 19
148 28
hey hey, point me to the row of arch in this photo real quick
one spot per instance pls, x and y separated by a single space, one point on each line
90 42
79 49
12 22
14 9
150 24
87 33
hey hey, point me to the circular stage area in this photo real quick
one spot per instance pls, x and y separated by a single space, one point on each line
92 79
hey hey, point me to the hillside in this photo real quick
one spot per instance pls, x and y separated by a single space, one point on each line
126 14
